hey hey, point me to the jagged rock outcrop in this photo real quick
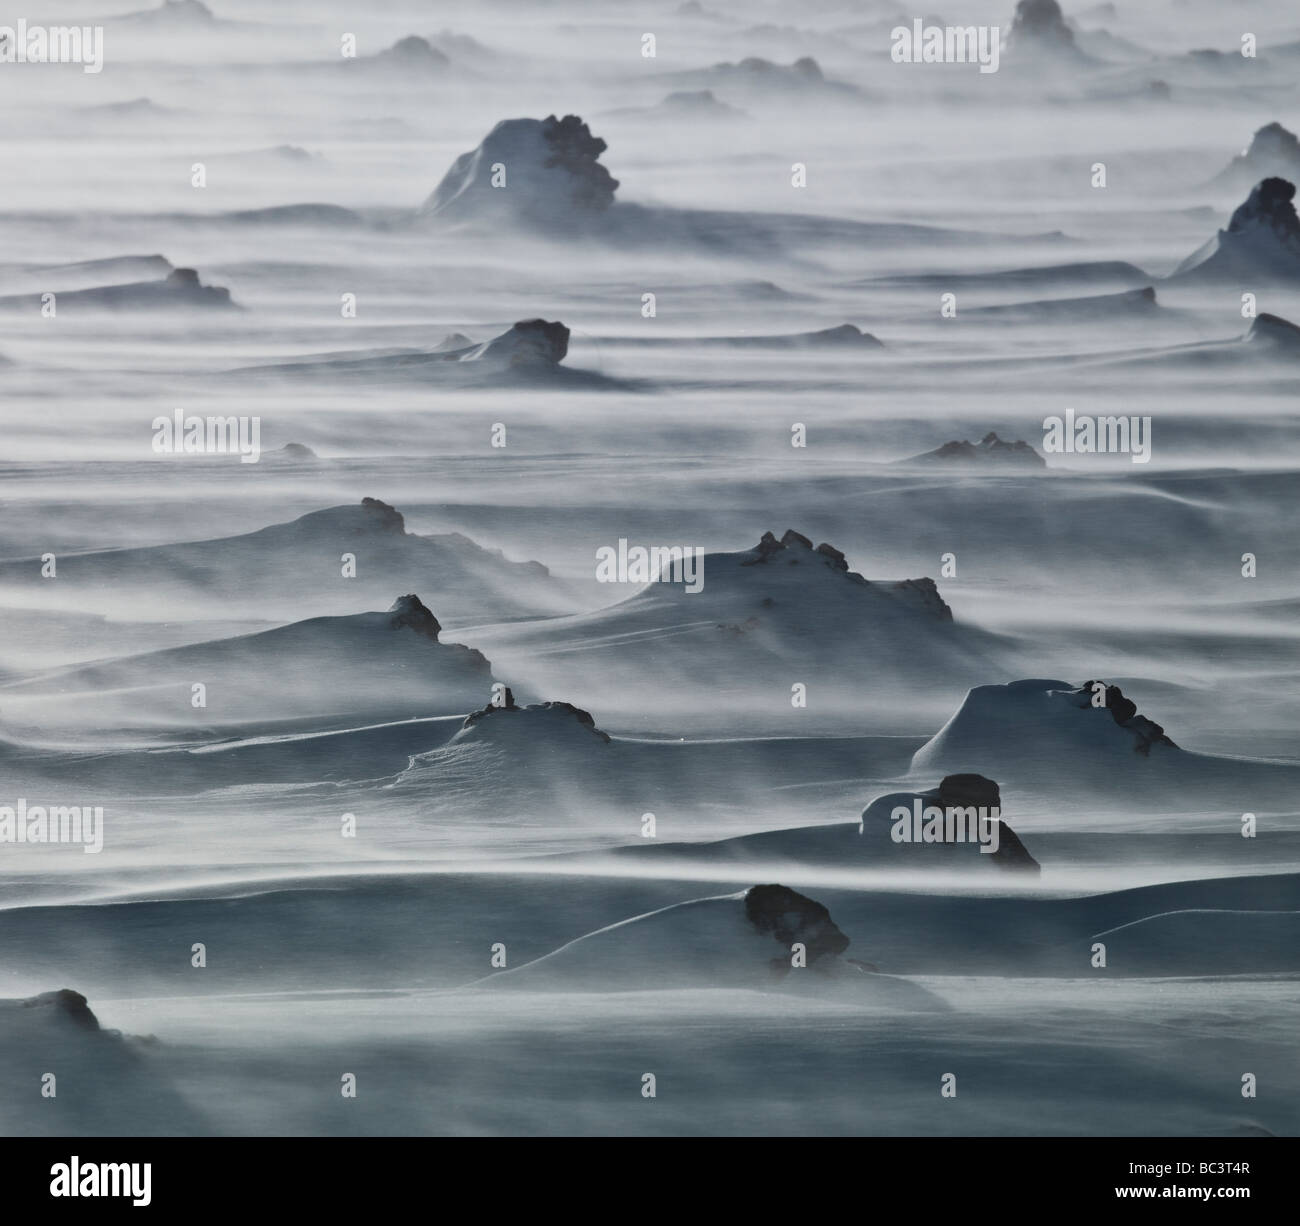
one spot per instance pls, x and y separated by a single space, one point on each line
380 515
529 343
537 715
181 287
1039 28
959 792
789 916
413 612
794 548
1261 241
540 172
990 448
1146 732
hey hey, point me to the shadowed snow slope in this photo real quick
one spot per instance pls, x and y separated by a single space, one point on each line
106 1083
372 662
763 619
284 569
1053 736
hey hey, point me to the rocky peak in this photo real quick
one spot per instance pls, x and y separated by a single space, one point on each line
1270 206
381 515
411 611
1146 732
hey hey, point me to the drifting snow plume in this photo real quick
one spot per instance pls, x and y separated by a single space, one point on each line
1262 241
540 172
770 937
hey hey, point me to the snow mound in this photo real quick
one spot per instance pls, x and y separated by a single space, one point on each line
753 939
795 549
530 348
179 289
530 342
375 663
1052 724
989 450
172 15
1261 242
945 845
842 336
276 571
506 722
408 54
541 172
1100 307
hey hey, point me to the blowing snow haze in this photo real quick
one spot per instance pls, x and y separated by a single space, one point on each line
672 558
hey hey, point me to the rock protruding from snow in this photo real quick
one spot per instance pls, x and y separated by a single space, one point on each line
1146 732
990 449
1049 730
64 1007
960 793
529 343
1039 27
1261 242
291 451
413 52
794 549
541 172
413 612
790 917
536 718
378 514
1273 151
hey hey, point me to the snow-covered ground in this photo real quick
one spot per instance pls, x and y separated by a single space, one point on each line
637 479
